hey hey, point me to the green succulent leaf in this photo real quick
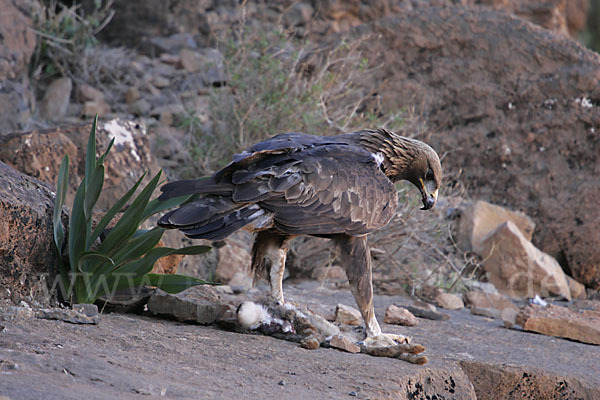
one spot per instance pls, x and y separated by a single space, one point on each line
138 246
114 210
103 156
62 184
130 220
90 155
145 264
77 229
172 283
94 188
90 260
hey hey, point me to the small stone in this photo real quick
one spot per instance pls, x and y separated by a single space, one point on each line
399 316
167 113
509 317
577 289
131 95
89 93
479 299
310 343
55 102
139 107
160 81
449 301
486 312
298 14
427 313
171 59
89 310
191 60
281 383
583 326
347 315
424 305
489 304
224 289
341 343
92 108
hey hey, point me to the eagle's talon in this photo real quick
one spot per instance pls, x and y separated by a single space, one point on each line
385 340
394 346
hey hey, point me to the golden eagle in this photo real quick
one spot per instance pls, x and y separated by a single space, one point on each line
338 187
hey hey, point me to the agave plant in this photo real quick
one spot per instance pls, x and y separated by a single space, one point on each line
126 254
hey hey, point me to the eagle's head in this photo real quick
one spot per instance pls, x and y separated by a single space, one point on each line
407 159
425 172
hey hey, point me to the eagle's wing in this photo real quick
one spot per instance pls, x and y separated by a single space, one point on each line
284 143
325 189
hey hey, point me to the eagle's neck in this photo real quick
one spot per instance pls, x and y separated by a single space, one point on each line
398 151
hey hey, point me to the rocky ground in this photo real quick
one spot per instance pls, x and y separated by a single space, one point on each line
516 122
127 356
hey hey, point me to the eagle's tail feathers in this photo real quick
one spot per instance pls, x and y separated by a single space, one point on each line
194 186
196 221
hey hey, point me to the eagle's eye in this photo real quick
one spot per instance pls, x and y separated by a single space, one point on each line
429 175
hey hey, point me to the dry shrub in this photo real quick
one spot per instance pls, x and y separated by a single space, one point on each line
65 34
275 84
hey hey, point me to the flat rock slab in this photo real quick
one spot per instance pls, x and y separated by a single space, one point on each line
199 304
128 355
67 315
552 320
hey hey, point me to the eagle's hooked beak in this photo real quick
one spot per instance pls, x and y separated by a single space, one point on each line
429 194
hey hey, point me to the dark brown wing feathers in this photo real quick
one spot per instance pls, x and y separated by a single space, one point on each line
304 184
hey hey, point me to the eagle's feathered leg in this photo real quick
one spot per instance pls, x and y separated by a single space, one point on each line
268 255
356 258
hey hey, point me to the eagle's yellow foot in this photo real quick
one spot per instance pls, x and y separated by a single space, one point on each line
395 346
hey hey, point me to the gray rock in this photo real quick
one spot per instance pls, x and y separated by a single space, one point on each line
66 315
55 102
14 312
89 310
347 315
27 255
449 301
17 43
399 316
199 304
428 314
298 14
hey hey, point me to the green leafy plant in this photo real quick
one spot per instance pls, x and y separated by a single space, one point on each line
126 254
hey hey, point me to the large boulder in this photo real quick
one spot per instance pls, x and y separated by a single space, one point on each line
518 117
518 269
27 255
17 42
39 153
481 218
